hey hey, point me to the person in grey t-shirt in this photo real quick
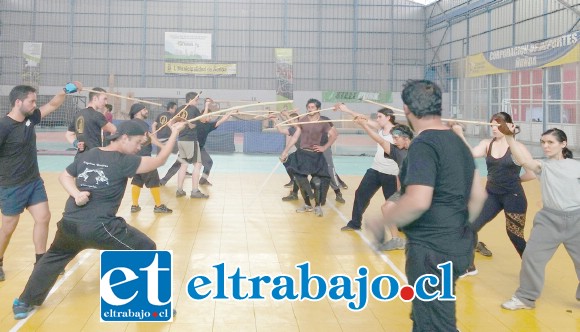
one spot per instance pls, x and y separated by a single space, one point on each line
558 222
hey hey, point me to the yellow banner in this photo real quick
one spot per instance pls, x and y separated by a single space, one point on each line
210 69
477 65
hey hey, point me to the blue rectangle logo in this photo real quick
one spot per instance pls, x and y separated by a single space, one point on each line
136 286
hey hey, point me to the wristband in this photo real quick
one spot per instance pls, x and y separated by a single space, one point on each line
70 88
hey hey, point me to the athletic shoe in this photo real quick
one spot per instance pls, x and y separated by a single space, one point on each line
21 309
515 304
471 271
339 198
395 243
198 194
348 227
289 184
482 249
135 208
343 185
2 275
291 197
180 193
318 211
162 209
305 208
204 182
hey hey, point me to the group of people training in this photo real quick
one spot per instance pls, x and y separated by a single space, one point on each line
426 170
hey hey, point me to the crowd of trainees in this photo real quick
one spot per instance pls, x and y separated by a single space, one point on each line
440 192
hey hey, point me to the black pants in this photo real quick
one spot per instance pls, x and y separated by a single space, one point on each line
206 162
432 315
73 237
369 185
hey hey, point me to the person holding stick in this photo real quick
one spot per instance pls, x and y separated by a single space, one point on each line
96 183
84 131
503 186
383 172
558 222
138 114
21 186
189 151
441 195
309 158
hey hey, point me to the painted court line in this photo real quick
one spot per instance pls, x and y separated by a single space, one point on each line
384 257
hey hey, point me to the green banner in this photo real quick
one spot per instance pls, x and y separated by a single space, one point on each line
356 96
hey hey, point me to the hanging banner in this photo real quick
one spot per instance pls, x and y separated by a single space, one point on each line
284 73
32 54
547 53
187 46
356 96
207 69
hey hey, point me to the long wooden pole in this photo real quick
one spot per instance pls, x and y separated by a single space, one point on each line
301 115
319 121
176 114
124 97
239 107
442 119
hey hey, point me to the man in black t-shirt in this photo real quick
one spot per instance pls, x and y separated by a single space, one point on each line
441 193
139 113
21 186
84 131
96 182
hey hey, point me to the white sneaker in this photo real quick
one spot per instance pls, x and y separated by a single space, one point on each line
318 211
514 304
305 208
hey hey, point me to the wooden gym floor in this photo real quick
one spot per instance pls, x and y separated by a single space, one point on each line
245 224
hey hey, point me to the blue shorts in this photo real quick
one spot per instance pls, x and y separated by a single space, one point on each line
13 200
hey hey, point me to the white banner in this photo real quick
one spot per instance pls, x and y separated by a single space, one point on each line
187 46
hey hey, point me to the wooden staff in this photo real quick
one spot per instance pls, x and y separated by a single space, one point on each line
442 119
299 116
120 96
238 107
176 114
319 121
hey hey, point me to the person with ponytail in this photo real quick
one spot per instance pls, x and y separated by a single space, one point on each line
558 222
503 186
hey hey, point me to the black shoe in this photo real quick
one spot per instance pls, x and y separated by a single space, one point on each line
135 208
289 184
204 182
349 227
339 198
342 185
162 209
291 197
188 173
21 309
482 249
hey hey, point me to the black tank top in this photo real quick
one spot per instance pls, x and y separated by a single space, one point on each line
503 175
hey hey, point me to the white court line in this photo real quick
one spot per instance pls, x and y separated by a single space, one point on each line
59 283
385 258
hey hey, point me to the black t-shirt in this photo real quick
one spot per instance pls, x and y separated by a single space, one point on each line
104 174
87 125
161 120
441 160
146 149
18 158
398 155
203 130
189 134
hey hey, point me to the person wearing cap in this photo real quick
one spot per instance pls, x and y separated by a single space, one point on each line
84 131
21 186
139 113
96 182
383 172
